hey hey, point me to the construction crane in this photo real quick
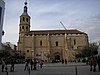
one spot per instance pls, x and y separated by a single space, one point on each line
63 25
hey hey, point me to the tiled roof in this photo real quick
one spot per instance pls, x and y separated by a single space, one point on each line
56 32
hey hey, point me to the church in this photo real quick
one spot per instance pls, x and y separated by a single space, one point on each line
49 45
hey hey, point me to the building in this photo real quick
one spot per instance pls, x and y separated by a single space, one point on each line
99 47
49 44
9 44
2 7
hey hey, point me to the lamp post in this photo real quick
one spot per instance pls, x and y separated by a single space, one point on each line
75 48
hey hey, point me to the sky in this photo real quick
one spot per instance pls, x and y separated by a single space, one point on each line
83 15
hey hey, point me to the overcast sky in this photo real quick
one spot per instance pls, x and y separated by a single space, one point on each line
83 15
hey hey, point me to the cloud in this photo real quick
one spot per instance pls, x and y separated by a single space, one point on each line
91 26
83 15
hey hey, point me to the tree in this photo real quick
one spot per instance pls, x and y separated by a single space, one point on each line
90 51
4 53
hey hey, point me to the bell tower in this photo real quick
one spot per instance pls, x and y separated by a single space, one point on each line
24 25
24 28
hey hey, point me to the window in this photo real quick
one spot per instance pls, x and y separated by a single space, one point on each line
74 42
40 42
27 19
22 27
23 19
27 51
56 43
26 27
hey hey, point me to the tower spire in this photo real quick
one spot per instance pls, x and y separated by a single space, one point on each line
25 12
25 3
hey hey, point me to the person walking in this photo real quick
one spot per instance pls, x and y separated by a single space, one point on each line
62 61
91 63
94 64
98 62
26 64
31 63
41 63
12 65
65 61
3 64
35 64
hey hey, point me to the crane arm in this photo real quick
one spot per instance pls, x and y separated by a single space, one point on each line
63 25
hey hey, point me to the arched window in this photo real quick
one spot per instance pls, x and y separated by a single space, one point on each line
26 27
27 19
56 43
74 42
22 27
40 42
23 19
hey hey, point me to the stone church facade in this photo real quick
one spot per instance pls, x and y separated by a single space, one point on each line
49 44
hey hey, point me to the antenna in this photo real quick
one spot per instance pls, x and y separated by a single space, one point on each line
63 25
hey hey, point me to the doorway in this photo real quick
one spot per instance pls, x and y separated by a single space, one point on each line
57 57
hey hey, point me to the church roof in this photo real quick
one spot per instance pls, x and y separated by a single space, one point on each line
24 14
57 32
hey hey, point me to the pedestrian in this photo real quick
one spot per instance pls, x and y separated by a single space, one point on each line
62 61
27 64
94 64
41 63
31 63
90 63
65 61
35 63
12 65
3 64
98 62
38 64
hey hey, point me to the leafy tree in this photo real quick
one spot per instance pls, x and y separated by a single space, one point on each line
90 51
4 53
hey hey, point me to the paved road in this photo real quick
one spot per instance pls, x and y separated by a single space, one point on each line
54 69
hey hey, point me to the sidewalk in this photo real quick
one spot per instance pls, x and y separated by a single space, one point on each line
64 65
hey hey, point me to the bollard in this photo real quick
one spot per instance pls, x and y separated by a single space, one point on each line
76 70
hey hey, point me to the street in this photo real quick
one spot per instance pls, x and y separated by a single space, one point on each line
51 69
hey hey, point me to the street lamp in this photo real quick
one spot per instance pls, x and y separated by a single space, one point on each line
75 48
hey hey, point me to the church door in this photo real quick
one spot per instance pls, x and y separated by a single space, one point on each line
57 57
